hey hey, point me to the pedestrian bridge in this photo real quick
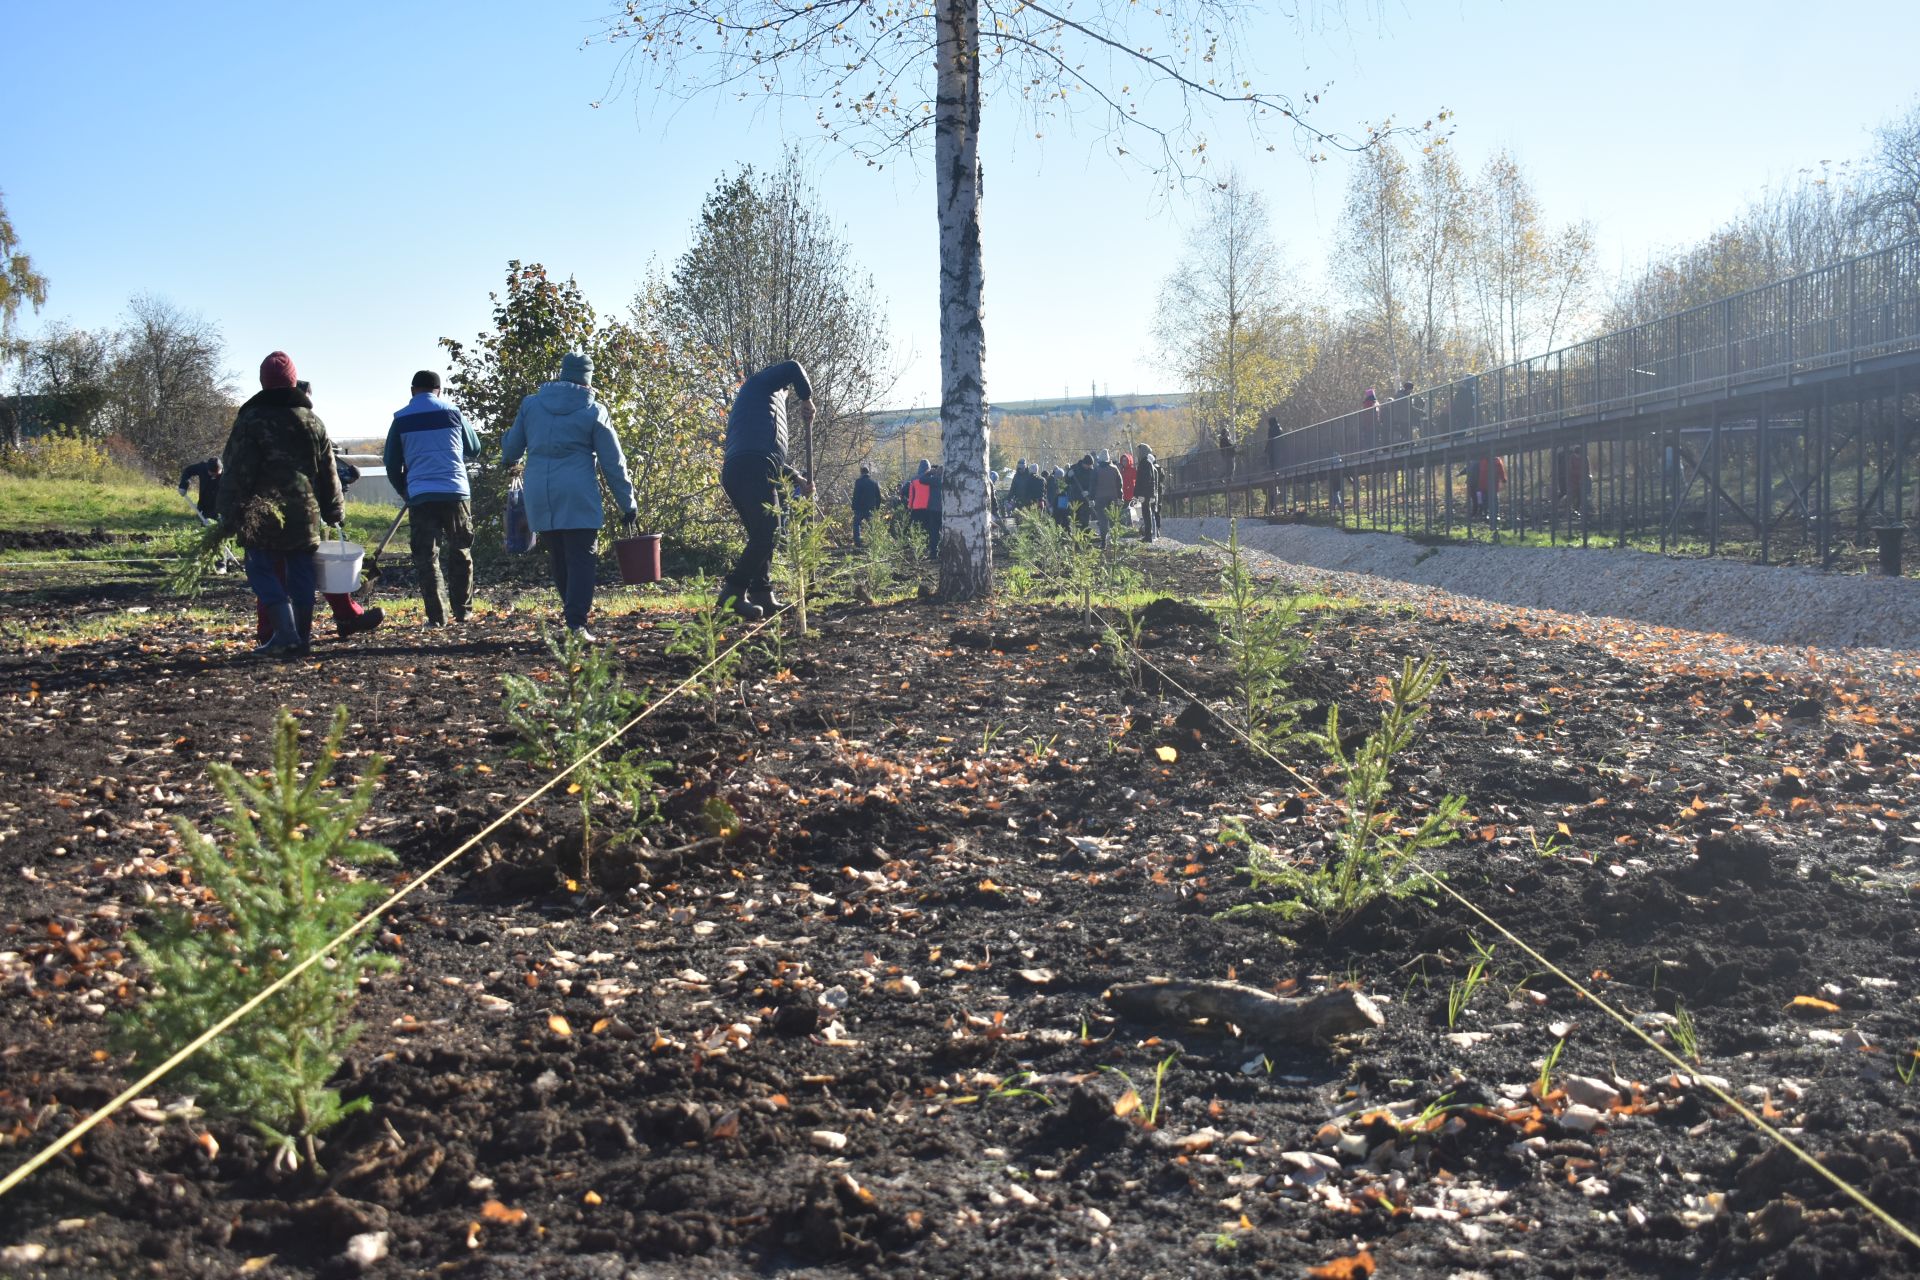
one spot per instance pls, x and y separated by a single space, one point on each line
1777 423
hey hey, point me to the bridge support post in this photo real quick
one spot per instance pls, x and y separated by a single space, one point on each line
1899 447
1826 472
1763 501
1713 491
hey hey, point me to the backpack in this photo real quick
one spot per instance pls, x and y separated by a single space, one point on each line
919 493
520 535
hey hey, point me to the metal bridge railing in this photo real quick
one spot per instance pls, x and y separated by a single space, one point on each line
1845 314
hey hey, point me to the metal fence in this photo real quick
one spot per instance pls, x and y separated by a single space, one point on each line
1824 323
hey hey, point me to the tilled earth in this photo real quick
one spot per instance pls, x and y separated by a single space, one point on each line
867 1034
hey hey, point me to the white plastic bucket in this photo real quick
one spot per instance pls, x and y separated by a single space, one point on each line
337 565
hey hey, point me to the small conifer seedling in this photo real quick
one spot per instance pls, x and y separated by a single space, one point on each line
276 899
563 720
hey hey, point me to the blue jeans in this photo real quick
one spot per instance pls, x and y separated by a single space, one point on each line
860 519
571 552
297 590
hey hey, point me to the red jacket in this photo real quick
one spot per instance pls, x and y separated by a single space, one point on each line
1126 477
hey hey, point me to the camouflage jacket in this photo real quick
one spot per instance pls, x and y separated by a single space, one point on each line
280 485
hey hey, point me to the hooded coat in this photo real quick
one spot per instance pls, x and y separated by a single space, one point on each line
565 435
279 485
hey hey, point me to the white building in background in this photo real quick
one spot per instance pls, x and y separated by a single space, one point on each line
372 486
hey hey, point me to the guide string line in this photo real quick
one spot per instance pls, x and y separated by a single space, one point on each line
212 1033
1898 1227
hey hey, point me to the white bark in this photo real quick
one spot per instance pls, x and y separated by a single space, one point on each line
966 550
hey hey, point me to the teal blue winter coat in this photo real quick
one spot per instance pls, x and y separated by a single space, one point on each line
564 433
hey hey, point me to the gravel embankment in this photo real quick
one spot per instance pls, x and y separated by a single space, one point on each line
1720 612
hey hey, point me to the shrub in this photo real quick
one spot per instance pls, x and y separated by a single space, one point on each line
277 900
60 455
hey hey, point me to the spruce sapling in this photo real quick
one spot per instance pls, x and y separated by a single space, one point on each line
801 558
277 899
1264 641
562 720
703 638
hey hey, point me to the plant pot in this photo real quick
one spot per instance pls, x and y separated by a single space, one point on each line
639 558
1889 536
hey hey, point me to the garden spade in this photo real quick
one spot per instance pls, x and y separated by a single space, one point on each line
371 574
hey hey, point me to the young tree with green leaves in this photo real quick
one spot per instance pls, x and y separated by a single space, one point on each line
768 278
666 402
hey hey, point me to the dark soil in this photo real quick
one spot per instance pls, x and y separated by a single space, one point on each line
956 832
65 539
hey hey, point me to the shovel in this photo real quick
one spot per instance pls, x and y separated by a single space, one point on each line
370 575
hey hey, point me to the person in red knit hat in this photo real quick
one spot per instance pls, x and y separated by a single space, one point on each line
280 487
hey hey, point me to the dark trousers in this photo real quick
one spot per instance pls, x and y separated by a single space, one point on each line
440 530
933 534
860 519
571 551
749 480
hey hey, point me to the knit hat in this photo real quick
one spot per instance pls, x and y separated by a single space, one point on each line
865 468
1104 459
577 368
277 371
1370 395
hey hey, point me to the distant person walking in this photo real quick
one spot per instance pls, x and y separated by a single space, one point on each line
279 488
208 474
1107 490
866 501
1146 483
936 486
755 463
565 435
428 448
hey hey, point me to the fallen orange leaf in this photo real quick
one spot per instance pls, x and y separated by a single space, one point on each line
494 1211
1354 1268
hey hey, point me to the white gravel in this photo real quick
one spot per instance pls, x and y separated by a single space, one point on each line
1872 620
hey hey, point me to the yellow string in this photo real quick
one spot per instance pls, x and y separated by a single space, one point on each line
212 1033
1860 1197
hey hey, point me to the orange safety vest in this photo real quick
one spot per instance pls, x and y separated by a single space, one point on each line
919 494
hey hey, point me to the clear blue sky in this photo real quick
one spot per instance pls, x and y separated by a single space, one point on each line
348 180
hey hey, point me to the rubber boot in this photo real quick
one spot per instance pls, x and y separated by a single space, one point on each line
740 604
285 640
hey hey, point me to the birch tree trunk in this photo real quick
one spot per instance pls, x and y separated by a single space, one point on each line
966 551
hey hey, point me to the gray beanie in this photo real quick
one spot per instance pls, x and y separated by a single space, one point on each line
577 368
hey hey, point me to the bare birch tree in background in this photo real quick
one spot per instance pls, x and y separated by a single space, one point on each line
768 278
1224 323
1442 236
1893 202
1373 250
882 75
1528 282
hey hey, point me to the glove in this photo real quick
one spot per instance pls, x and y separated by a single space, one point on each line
630 523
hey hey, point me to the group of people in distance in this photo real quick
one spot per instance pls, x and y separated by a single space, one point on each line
280 483
1090 492
1087 494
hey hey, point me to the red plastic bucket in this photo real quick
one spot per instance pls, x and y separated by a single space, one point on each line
639 558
